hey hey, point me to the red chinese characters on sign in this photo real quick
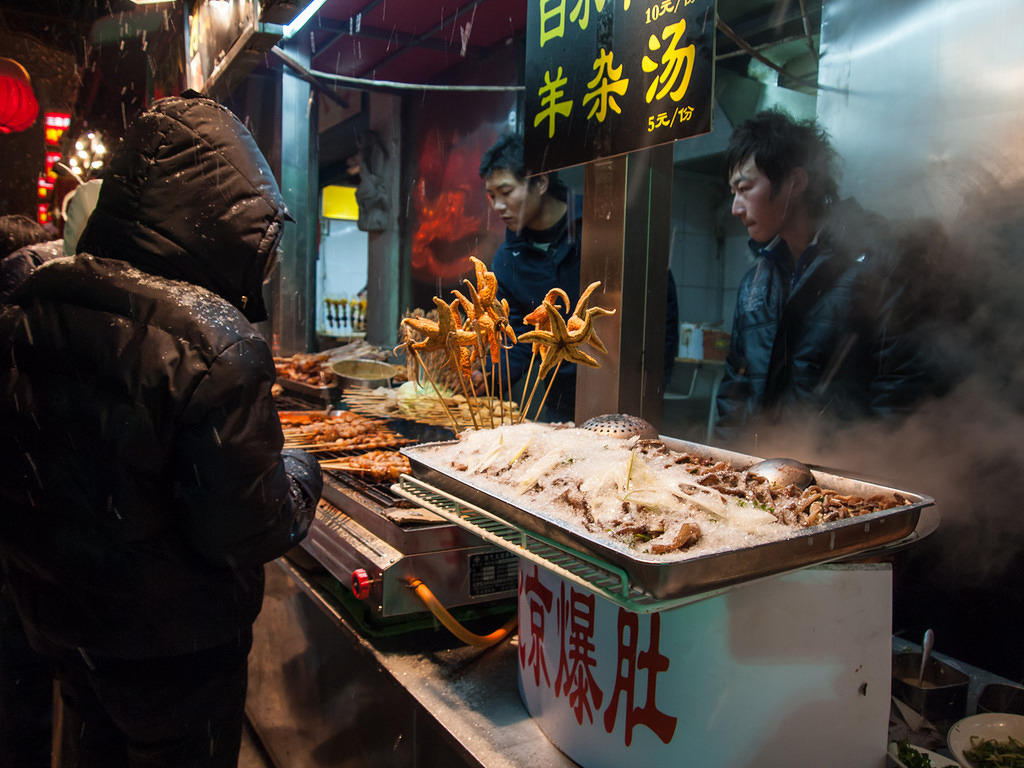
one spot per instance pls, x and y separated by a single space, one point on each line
576 678
630 660
531 649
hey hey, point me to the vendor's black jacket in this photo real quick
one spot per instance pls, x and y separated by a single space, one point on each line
820 339
142 481
527 265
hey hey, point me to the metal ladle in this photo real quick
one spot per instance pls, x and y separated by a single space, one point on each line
783 472
926 653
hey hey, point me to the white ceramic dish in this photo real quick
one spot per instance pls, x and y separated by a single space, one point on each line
938 761
992 725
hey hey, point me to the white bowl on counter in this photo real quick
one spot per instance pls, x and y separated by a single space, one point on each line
937 760
991 725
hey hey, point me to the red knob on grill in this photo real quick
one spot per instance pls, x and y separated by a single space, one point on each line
361 583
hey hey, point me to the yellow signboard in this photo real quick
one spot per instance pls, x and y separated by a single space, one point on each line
339 203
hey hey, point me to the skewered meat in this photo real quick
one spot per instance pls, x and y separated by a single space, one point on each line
377 465
337 431
305 368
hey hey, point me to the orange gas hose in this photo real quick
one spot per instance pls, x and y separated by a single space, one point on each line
451 623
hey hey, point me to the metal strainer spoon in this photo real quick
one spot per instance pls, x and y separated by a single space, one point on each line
621 425
783 472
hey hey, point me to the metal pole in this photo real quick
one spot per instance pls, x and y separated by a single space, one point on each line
295 325
625 245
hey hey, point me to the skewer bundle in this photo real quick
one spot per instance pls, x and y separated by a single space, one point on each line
425 407
474 334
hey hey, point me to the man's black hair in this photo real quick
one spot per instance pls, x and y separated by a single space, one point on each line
778 144
17 231
506 154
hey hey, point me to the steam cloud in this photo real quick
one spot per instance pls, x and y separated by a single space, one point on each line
965 448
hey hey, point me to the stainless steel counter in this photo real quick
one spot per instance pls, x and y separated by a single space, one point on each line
321 693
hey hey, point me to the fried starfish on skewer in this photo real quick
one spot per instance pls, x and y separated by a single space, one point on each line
484 313
446 333
560 343
578 318
540 321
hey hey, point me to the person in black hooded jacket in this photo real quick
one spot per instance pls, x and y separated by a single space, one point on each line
143 483
814 334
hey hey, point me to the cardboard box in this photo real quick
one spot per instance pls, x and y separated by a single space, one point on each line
716 344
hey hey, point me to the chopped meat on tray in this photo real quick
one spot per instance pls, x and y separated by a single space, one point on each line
641 493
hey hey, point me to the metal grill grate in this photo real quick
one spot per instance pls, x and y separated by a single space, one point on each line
379 492
580 568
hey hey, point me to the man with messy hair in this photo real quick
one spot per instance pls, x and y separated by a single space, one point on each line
809 334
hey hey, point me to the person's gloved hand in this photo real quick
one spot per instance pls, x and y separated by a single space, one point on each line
307 483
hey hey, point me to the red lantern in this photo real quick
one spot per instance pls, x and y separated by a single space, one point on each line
18 105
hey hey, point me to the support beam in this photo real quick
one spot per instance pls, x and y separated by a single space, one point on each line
387 291
625 245
295 325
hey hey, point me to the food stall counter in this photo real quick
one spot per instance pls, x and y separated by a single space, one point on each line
322 692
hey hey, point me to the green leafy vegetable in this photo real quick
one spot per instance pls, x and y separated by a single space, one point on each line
910 757
989 753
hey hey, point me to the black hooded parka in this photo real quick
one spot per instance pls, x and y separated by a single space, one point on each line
142 480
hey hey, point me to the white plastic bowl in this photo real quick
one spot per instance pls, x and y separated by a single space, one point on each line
991 725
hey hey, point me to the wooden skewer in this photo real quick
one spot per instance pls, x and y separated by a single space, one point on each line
508 379
529 400
419 360
453 359
487 383
386 473
348 467
540 407
526 384
328 447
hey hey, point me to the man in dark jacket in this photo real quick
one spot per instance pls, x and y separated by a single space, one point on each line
809 332
542 251
142 480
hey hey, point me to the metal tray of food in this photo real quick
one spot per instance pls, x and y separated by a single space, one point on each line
679 575
327 394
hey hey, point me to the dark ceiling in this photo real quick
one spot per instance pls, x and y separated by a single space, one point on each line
414 41
60 24
410 41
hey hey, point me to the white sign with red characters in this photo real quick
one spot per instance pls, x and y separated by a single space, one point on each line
793 670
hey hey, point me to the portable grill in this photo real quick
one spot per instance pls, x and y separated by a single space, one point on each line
366 536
